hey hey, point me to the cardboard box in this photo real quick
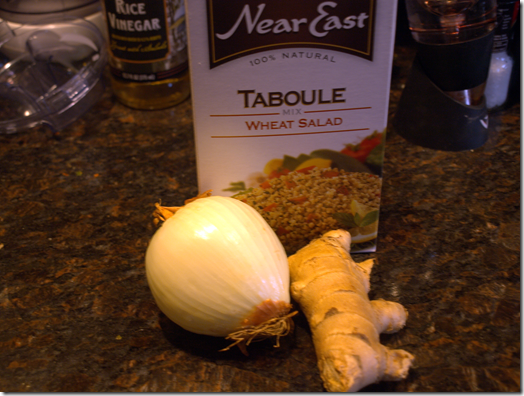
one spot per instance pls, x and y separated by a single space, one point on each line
283 86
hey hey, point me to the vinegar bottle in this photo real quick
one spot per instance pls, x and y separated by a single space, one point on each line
147 52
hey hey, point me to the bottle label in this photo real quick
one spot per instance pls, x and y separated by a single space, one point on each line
238 28
507 12
137 30
147 77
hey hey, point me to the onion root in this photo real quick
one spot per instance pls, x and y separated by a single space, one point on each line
275 327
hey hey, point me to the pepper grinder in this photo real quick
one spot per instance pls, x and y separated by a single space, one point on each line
443 105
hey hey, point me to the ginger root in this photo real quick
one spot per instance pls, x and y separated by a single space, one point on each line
332 291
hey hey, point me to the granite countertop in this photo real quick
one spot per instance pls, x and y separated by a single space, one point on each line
75 221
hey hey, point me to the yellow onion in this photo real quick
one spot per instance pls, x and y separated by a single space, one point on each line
215 267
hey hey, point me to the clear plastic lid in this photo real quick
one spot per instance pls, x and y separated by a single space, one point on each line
42 7
50 72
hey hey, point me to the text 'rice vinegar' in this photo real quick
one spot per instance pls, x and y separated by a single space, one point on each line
148 52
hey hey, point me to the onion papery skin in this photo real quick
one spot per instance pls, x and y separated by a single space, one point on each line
211 264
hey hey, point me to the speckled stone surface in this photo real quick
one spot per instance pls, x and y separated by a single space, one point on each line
75 220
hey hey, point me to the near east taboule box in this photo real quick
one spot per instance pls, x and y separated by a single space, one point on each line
290 103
